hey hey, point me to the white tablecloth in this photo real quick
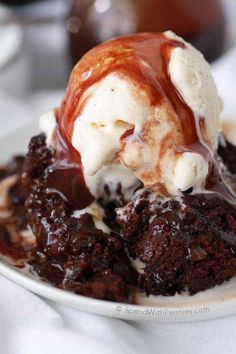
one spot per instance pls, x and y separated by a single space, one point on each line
32 325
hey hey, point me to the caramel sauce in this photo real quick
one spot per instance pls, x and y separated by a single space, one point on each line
142 59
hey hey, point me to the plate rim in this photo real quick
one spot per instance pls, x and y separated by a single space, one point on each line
125 311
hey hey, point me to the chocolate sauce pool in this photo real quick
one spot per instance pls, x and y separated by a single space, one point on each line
65 175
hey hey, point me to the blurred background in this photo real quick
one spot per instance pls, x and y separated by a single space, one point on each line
41 40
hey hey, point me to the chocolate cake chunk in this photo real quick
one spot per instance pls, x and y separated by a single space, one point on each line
71 252
227 152
187 243
38 158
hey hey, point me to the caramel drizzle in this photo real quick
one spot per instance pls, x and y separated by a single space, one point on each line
142 58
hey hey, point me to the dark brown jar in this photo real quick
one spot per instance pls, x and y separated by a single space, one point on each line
17 2
199 21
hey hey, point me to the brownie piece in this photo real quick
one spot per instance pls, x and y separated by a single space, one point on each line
38 158
187 243
72 253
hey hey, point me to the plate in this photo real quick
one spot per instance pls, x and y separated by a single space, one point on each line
216 302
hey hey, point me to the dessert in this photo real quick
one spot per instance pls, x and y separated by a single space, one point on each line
130 186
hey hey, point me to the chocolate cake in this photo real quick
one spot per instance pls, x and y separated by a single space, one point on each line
186 243
70 253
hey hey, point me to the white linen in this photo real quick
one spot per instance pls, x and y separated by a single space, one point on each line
31 325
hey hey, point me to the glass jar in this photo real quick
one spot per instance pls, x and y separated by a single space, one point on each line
92 21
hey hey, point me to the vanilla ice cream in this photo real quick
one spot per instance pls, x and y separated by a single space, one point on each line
191 76
142 108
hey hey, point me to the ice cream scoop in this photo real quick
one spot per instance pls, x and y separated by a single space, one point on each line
142 108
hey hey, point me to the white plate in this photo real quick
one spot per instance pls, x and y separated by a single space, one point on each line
217 302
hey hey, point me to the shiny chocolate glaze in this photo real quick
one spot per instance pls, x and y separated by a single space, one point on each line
65 175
